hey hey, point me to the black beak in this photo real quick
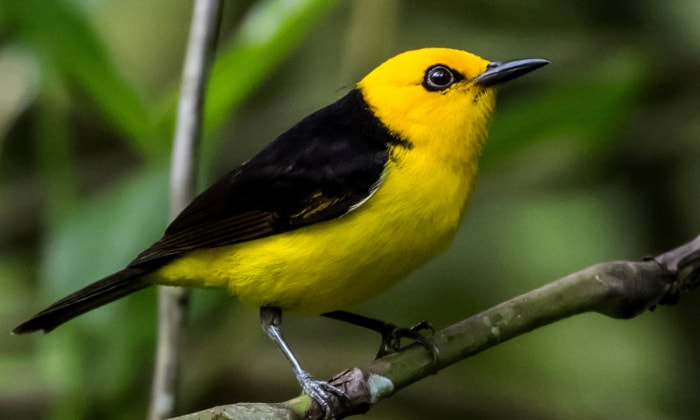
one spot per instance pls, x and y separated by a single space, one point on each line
498 72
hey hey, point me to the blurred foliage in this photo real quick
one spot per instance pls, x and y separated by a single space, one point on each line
592 158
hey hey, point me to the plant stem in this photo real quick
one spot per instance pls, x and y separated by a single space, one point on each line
173 302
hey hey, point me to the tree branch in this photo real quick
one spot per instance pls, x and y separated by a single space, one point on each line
173 302
619 289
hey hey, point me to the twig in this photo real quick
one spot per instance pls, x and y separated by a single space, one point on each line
173 302
619 289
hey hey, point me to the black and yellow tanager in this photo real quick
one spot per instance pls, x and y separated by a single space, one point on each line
350 200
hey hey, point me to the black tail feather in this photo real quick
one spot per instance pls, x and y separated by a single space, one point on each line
101 292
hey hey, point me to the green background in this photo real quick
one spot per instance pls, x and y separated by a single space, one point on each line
592 158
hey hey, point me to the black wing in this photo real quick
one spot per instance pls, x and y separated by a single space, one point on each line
314 172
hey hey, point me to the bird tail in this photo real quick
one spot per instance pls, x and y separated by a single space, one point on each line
110 288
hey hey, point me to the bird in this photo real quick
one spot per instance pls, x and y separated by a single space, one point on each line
335 210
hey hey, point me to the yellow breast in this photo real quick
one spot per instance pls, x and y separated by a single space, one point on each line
333 265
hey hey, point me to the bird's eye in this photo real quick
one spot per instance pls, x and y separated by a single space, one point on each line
439 77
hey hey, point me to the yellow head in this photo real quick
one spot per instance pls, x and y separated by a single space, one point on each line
439 98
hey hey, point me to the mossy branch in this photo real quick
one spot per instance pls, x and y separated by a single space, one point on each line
619 289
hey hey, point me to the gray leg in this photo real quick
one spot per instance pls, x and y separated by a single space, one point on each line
270 319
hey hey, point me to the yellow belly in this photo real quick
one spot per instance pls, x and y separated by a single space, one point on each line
333 265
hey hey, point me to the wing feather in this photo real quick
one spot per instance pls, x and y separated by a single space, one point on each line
326 165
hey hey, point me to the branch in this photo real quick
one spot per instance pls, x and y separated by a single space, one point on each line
173 302
619 289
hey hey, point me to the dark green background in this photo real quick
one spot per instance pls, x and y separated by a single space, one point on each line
592 158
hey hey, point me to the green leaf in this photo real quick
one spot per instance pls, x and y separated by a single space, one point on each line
589 111
104 234
66 40
270 31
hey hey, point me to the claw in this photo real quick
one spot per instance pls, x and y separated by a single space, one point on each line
321 391
392 335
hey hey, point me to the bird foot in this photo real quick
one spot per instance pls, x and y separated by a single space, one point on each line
320 391
392 336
